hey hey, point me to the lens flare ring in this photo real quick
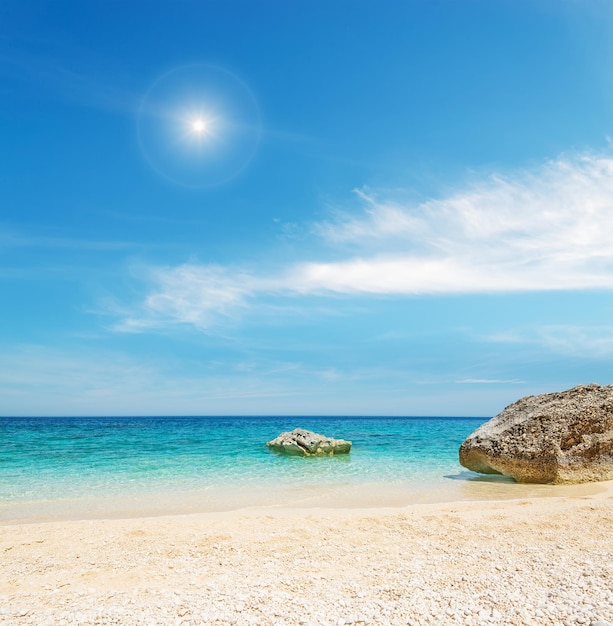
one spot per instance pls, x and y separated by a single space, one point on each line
198 126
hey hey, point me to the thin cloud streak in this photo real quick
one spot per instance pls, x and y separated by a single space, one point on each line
593 342
490 381
75 82
534 230
12 239
38 380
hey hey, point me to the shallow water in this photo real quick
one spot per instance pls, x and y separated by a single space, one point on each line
93 467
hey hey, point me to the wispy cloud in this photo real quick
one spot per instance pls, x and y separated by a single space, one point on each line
39 380
10 238
89 380
193 294
593 342
490 381
67 73
532 230
547 228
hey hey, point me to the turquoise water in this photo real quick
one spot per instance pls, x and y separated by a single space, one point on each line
46 460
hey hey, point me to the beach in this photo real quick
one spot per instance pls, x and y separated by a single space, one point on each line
306 313
531 560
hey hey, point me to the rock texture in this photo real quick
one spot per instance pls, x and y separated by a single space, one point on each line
306 443
564 437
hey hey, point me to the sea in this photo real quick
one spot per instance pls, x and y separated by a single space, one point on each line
91 467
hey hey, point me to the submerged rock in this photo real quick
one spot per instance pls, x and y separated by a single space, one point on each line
564 437
306 443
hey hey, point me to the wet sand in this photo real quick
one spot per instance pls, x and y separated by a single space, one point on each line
464 486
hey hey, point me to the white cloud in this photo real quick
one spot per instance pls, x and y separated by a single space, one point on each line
534 230
197 294
543 229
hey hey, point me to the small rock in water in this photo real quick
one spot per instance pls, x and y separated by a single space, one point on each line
301 442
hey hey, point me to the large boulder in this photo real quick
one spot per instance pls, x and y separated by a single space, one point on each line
306 443
564 437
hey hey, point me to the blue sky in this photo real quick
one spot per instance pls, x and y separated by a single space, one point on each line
322 207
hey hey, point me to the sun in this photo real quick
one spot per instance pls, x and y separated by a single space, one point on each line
199 126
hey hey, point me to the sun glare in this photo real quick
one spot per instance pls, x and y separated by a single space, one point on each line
199 126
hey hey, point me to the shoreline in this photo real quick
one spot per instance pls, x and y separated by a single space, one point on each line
226 498
532 560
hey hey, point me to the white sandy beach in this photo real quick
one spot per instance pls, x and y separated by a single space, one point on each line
545 561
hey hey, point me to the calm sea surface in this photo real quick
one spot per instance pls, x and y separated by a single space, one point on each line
46 458
67 468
